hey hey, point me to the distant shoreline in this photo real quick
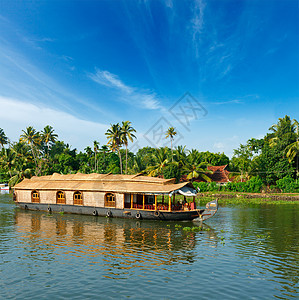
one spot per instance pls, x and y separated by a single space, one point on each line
235 197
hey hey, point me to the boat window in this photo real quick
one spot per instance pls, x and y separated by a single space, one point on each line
60 197
78 198
35 197
110 200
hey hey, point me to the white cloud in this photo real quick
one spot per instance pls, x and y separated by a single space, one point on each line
219 146
108 79
136 97
227 145
16 115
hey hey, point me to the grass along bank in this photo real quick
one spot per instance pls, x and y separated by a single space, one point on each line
247 198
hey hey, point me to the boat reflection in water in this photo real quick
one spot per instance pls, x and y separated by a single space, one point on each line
120 243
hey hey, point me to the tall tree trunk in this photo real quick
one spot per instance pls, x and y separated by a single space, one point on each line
36 167
171 150
120 161
126 159
297 167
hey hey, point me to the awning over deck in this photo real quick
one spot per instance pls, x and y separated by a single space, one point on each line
185 191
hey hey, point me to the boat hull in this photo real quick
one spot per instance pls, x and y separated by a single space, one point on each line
115 212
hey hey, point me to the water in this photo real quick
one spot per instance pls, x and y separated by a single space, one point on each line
248 252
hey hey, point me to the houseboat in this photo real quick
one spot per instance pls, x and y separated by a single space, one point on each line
122 196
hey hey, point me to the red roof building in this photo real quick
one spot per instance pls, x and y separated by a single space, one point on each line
220 174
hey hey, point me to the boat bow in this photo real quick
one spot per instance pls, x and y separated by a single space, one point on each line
210 211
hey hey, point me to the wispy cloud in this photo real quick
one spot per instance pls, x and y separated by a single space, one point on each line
220 44
24 80
239 100
75 131
108 79
134 96
197 24
235 101
169 3
35 41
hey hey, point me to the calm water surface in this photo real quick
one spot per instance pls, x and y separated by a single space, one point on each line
244 251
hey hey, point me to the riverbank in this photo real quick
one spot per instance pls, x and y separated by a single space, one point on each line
257 198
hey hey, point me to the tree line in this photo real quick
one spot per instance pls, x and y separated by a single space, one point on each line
266 160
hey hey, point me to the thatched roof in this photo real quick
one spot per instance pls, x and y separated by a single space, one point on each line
102 183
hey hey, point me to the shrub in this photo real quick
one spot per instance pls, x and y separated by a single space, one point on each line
206 186
254 185
287 185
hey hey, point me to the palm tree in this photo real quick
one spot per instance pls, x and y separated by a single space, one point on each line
96 149
195 171
293 149
139 164
32 138
170 133
194 168
180 156
88 151
7 160
284 129
283 126
194 156
161 160
19 176
104 149
114 136
127 134
18 161
3 138
287 129
48 136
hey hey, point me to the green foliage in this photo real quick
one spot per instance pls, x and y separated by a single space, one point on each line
270 161
172 171
214 159
201 186
3 138
113 163
254 185
288 185
207 186
4 177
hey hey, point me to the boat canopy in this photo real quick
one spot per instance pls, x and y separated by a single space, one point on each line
185 191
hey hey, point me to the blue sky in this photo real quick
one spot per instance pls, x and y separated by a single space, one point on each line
81 65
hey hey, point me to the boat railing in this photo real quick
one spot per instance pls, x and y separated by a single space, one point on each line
163 207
